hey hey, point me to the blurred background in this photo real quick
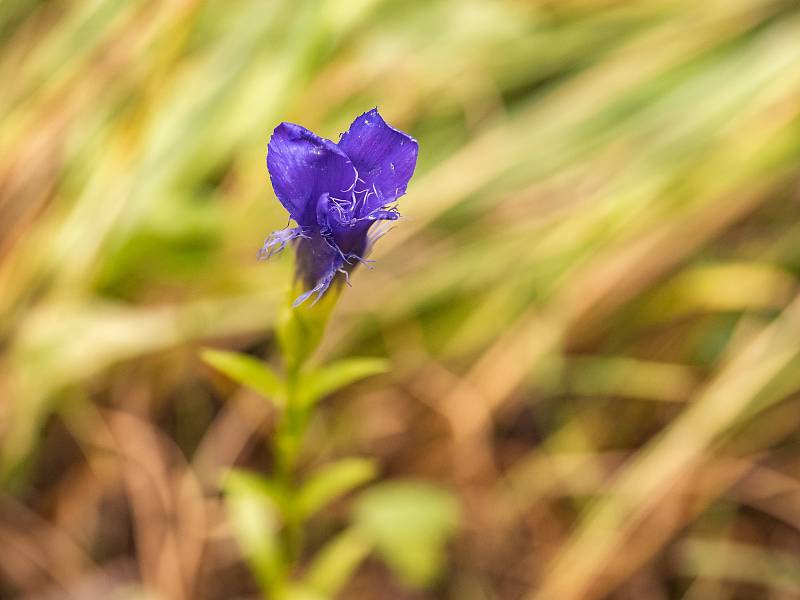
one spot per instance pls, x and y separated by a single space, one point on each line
591 307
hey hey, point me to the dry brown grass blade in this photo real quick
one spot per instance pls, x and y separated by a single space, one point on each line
167 505
36 555
232 430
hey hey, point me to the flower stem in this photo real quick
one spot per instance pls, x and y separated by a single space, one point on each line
289 441
300 331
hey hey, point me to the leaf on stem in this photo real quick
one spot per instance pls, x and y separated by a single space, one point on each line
248 371
297 592
253 511
333 481
336 562
317 383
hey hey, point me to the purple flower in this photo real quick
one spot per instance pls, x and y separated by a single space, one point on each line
335 193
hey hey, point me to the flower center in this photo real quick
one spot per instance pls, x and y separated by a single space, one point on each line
352 207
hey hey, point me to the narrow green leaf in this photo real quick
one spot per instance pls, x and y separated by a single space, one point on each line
329 378
337 561
410 524
301 592
332 481
253 513
248 371
255 484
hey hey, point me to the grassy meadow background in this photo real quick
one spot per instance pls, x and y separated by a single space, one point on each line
591 307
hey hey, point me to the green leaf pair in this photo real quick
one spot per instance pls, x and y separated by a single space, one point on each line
258 507
406 523
313 384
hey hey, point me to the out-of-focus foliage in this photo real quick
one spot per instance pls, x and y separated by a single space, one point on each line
590 310
409 523
253 516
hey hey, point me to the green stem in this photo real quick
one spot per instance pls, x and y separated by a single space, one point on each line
290 440
299 333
